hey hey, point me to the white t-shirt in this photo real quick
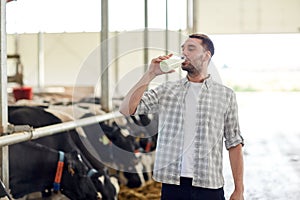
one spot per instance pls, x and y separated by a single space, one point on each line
189 128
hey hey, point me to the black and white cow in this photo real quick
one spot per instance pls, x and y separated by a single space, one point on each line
66 141
144 130
127 147
32 168
115 146
126 143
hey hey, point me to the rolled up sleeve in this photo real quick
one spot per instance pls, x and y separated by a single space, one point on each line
232 131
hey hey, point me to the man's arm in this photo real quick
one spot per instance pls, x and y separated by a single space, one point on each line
133 97
237 167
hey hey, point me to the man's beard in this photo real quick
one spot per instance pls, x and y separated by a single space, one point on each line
191 70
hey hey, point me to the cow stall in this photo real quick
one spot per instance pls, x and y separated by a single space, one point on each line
115 140
14 134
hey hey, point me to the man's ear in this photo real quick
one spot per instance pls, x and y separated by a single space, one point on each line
207 56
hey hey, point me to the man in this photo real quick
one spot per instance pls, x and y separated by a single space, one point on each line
195 115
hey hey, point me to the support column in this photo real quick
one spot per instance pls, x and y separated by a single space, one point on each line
41 61
146 36
196 16
105 92
4 157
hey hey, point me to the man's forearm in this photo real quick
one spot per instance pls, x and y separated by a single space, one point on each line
133 97
237 167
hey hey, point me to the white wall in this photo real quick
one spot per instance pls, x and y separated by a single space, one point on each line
249 16
73 59
63 55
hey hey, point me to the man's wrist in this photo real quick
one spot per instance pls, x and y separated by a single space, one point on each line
150 75
239 188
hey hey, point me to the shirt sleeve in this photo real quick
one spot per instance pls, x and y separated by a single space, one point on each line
148 103
232 132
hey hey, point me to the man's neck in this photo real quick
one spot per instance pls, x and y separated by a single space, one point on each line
198 79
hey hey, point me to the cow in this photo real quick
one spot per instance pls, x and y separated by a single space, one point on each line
127 143
144 129
32 168
65 141
114 146
111 144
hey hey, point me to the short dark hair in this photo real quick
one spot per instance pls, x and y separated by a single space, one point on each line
206 42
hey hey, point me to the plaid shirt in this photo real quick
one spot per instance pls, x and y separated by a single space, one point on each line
217 118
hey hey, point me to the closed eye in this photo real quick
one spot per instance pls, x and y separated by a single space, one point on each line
189 47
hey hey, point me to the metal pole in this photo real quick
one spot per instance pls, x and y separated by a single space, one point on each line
4 156
146 36
53 129
167 35
117 72
189 17
41 61
196 7
167 28
179 48
104 57
16 44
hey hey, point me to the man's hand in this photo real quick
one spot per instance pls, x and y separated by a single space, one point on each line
237 195
154 67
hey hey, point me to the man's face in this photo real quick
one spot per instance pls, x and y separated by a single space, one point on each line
195 55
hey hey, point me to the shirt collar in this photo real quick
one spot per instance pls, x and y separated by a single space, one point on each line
208 82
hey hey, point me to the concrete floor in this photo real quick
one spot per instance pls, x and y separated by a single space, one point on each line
272 169
270 125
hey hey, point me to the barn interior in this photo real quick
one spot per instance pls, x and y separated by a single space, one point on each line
64 52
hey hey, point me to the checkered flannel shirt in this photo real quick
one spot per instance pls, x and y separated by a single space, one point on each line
217 118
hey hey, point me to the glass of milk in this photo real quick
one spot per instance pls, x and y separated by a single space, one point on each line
171 63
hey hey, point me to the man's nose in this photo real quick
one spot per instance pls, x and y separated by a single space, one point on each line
184 54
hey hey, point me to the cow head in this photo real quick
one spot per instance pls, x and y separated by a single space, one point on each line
106 185
75 182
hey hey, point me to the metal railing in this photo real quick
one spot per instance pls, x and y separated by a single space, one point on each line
31 134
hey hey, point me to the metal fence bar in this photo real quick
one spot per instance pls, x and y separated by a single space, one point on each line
53 129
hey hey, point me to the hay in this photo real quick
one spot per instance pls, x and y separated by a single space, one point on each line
150 191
